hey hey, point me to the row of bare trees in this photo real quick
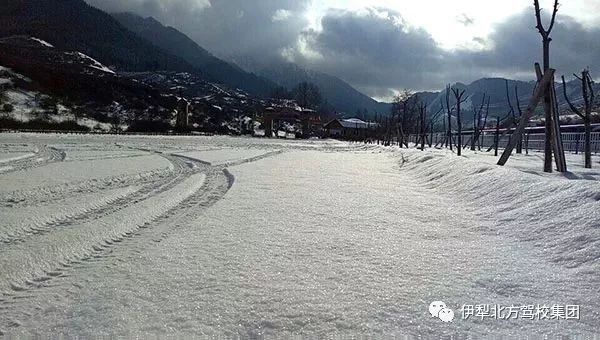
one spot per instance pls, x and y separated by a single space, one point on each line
546 89
587 90
410 115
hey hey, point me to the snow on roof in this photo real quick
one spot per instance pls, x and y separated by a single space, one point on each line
44 43
356 123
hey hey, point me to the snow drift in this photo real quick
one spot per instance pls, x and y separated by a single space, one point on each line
559 215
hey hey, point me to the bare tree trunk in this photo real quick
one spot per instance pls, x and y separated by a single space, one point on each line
423 110
540 91
458 94
497 137
475 128
549 126
548 105
587 148
449 111
559 151
431 136
459 125
588 101
520 143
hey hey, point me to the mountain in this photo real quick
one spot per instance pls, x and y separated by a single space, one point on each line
45 87
58 85
75 25
337 92
177 43
129 43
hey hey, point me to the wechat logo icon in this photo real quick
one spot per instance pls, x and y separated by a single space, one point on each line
438 309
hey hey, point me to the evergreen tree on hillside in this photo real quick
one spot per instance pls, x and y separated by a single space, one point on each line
308 95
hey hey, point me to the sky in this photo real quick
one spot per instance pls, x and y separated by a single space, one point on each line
383 46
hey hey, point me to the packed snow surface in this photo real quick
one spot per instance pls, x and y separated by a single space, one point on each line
187 236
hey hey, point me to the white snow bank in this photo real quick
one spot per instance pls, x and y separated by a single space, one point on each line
558 215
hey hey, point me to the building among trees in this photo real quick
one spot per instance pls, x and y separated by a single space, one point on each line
352 128
294 120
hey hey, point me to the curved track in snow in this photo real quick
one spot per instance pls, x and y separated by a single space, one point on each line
43 155
74 227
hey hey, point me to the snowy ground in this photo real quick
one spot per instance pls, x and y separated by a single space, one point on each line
130 236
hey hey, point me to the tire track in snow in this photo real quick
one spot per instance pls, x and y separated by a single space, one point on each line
253 159
40 195
26 264
19 225
43 155
89 158
63 213
57 277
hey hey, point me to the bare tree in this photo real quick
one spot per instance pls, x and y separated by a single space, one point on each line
520 111
401 106
485 118
449 113
588 101
432 120
548 106
422 124
540 91
458 95
477 121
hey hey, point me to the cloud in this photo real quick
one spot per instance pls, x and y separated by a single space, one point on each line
380 54
281 15
156 8
228 28
516 45
376 50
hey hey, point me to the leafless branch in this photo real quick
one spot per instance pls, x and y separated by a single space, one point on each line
573 108
538 15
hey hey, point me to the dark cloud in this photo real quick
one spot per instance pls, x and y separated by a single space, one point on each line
516 45
374 50
230 28
378 53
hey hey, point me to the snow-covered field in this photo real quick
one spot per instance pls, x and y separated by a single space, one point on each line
137 236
